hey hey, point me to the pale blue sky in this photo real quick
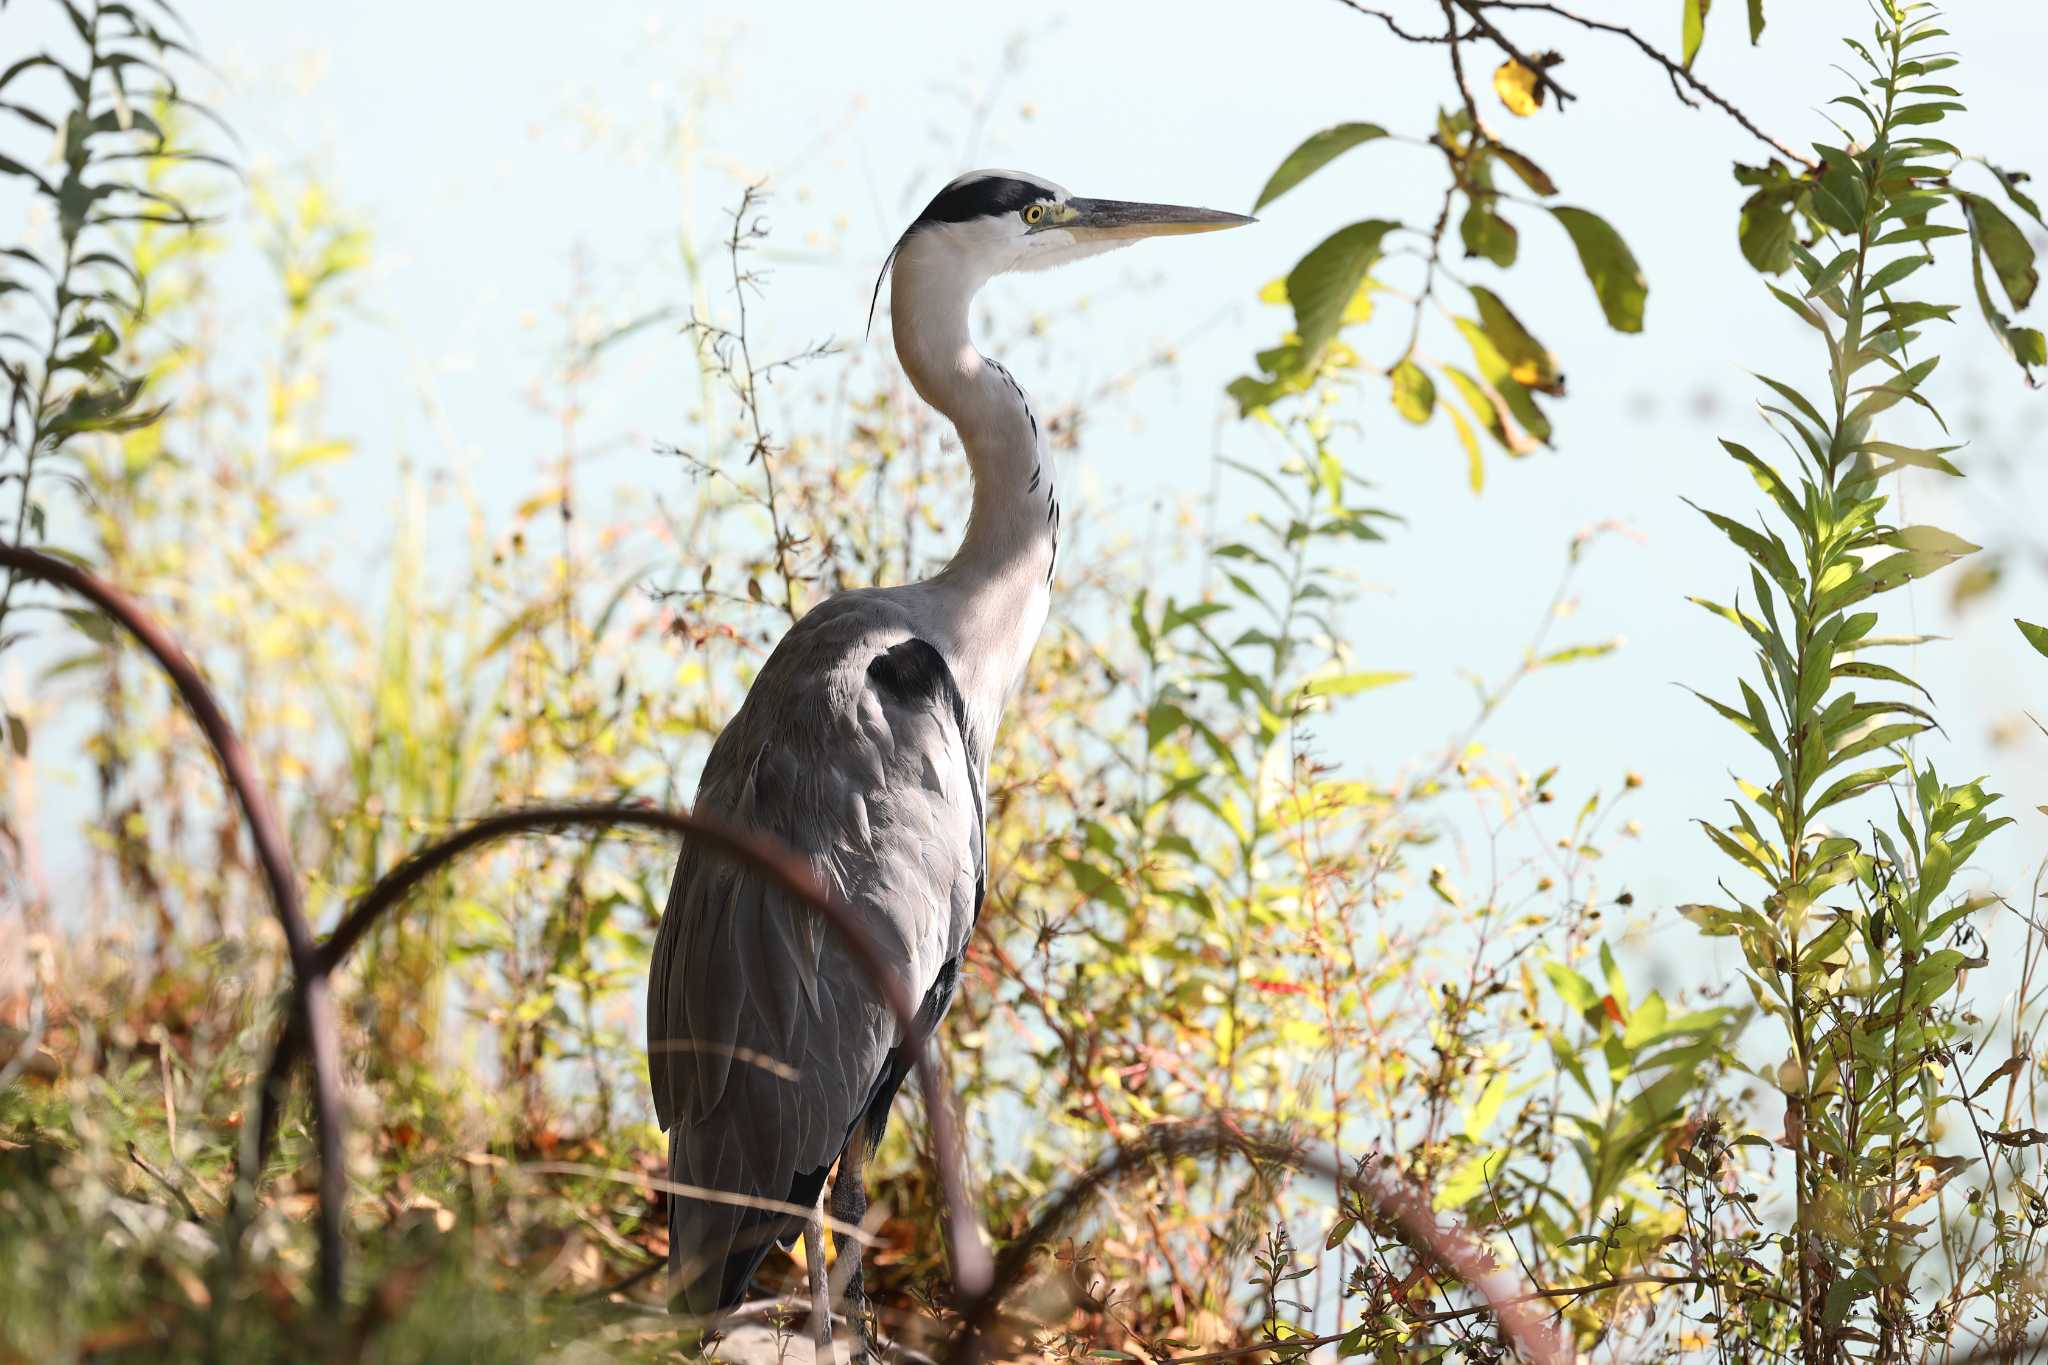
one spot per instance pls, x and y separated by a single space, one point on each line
484 146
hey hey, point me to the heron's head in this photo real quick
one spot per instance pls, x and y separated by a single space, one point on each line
986 223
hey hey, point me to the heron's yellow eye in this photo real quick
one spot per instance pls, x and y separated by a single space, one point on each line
1034 213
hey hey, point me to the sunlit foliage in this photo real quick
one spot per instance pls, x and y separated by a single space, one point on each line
1197 912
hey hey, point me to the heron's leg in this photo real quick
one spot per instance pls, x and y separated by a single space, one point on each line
821 1301
849 1208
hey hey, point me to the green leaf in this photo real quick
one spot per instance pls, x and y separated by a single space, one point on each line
1920 458
1534 176
1161 720
1487 234
1253 394
1495 370
1322 283
2010 180
1756 21
1930 540
1577 992
1767 479
1855 784
1616 278
1934 111
90 623
1530 363
1345 684
1764 231
1314 154
1825 947
2012 255
1694 26
2024 344
1414 392
2037 636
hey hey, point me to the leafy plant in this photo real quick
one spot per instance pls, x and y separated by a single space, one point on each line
1205 917
1855 944
114 110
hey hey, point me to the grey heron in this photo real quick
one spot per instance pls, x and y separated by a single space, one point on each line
863 746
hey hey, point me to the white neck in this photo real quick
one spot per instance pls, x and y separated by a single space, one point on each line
989 603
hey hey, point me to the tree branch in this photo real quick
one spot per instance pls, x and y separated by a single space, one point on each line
1673 68
1500 40
1394 25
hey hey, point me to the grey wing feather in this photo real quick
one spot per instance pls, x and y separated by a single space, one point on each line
765 1040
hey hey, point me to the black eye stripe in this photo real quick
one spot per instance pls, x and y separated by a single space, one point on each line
982 198
986 197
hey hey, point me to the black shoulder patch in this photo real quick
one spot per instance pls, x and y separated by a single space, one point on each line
990 195
915 670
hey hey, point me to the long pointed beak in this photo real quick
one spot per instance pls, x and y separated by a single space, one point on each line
1096 219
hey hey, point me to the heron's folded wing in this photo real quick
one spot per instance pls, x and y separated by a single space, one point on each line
852 748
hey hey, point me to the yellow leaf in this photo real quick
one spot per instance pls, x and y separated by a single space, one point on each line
1518 88
317 453
539 502
1414 394
1475 466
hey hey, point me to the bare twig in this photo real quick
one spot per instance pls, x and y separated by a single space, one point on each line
1394 25
652 1183
1673 68
1479 128
734 352
1681 78
177 1191
1500 40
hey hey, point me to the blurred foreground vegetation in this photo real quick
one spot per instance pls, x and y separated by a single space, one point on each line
1194 910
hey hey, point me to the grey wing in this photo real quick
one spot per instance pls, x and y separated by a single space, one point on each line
766 1043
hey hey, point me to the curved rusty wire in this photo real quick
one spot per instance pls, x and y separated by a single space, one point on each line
1403 1203
970 1257
313 1012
